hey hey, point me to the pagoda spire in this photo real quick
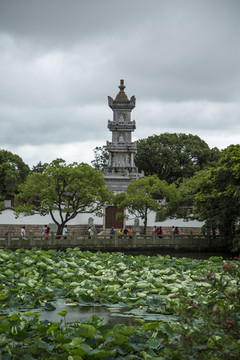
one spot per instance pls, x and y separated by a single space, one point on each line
122 86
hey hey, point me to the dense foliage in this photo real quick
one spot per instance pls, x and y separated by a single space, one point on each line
39 167
13 172
173 157
185 309
63 191
149 194
188 189
218 197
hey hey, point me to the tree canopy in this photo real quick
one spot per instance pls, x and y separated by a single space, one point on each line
13 172
173 157
149 194
218 197
38 168
101 157
188 189
63 191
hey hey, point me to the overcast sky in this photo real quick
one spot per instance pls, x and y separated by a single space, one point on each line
60 59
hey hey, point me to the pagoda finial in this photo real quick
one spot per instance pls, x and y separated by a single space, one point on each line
122 86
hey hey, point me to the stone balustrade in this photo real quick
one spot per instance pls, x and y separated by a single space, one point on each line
114 243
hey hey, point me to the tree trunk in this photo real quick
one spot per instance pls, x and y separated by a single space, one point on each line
60 229
145 223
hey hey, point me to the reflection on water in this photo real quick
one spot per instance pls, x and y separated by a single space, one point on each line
83 313
112 314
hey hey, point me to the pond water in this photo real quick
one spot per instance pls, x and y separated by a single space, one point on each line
111 315
83 313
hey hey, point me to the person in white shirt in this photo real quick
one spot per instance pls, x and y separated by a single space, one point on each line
23 233
65 231
44 231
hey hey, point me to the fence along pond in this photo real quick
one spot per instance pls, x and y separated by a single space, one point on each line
114 243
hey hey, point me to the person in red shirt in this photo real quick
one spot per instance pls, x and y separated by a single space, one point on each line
159 232
176 232
47 232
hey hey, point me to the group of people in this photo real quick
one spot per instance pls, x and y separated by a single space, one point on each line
159 232
45 232
127 231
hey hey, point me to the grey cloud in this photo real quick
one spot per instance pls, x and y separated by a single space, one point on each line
59 60
190 53
190 117
38 126
67 22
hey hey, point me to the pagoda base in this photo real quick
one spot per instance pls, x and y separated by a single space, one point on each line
118 182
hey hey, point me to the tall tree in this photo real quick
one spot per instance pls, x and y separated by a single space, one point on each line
101 158
188 189
218 198
63 191
38 168
146 195
13 172
174 156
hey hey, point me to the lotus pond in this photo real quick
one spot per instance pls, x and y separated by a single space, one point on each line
80 305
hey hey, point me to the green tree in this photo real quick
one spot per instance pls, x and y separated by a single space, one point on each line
101 158
13 172
218 198
38 168
63 191
174 156
188 189
146 195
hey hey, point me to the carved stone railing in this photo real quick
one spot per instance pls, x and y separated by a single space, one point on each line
115 243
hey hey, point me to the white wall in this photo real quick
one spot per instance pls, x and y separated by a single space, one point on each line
8 217
173 222
169 222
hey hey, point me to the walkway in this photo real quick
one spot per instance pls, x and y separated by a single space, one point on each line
114 243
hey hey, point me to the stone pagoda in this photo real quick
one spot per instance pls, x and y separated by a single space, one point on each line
121 168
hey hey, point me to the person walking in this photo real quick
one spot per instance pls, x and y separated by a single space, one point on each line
159 232
176 233
130 232
120 233
47 232
112 232
64 232
155 229
90 232
43 231
23 233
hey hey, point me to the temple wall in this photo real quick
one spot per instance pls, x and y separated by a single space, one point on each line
8 218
